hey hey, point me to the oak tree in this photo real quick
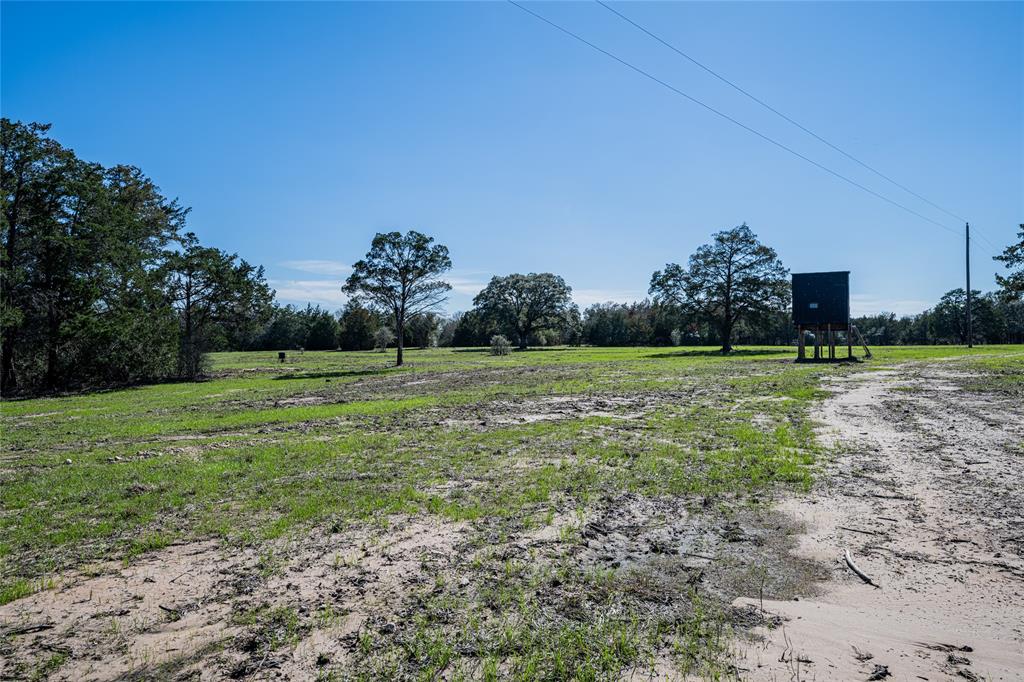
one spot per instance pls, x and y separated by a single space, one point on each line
734 278
526 304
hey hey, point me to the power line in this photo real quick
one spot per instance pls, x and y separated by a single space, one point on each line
985 239
777 112
981 251
731 119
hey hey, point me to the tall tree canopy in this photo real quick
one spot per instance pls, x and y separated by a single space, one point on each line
209 287
401 276
948 319
734 278
93 260
423 329
1013 258
358 325
526 304
82 299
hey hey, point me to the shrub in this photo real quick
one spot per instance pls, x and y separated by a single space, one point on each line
382 338
500 345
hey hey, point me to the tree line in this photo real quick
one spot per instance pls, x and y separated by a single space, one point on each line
995 318
102 284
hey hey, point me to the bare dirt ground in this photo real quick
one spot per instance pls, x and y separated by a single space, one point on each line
924 493
198 611
927 497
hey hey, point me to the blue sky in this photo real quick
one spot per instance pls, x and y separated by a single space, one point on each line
295 131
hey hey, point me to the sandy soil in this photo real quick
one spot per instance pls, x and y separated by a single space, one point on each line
926 496
203 611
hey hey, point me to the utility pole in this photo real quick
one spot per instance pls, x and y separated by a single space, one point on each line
970 335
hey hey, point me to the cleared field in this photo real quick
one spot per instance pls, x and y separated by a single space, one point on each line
557 513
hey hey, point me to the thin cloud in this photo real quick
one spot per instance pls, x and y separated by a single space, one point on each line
867 304
318 267
465 286
316 291
588 297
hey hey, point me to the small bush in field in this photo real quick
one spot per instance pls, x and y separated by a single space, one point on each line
382 338
500 345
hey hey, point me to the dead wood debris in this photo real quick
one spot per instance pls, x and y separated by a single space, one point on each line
26 629
858 530
941 646
880 672
862 655
860 574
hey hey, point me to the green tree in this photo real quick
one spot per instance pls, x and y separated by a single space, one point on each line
80 303
525 304
358 325
473 328
30 160
424 329
284 331
124 328
400 276
734 278
949 318
208 287
1013 257
321 329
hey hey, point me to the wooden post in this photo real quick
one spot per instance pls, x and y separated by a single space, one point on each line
831 343
849 340
817 342
800 355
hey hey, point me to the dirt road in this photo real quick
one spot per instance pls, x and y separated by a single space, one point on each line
927 497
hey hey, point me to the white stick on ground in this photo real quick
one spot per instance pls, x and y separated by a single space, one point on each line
861 574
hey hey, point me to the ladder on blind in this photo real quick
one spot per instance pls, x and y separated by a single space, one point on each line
863 343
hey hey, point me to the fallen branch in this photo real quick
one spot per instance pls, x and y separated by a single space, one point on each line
698 556
904 498
860 574
26 629
180 576
858 530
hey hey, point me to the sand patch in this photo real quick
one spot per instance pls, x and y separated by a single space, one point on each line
203 609
926 497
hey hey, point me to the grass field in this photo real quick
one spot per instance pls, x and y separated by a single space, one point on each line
557 472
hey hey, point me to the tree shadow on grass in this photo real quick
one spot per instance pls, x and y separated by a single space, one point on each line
337 374
485 350
720 354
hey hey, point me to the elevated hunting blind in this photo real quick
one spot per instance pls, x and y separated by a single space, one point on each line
821 305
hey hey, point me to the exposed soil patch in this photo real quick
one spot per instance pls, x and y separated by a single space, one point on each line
295 608
926 496
555 408
202 611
